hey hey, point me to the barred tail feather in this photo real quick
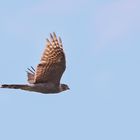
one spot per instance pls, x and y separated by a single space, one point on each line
15 86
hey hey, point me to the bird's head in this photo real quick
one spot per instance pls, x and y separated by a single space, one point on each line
63 87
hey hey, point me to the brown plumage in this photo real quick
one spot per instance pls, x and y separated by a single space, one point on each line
46 77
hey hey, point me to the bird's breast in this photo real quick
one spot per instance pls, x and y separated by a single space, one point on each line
45 88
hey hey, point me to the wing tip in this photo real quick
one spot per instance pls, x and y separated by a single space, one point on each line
60 40
54 34
51 35
31 70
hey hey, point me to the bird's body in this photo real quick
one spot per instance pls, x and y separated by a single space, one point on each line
46 77
41 87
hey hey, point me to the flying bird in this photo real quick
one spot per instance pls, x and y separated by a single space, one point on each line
46 77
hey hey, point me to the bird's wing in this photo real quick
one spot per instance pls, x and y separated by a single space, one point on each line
31 75
52 64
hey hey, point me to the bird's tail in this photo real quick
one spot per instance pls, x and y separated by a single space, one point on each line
15 86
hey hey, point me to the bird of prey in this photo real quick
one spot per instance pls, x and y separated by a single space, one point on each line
46 78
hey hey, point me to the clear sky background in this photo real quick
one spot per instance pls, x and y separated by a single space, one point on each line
102 43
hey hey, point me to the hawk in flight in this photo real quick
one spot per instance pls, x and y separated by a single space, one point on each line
46 77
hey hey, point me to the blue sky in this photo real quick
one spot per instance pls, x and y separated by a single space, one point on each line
102 45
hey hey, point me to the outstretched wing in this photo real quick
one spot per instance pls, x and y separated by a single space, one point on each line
52 64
